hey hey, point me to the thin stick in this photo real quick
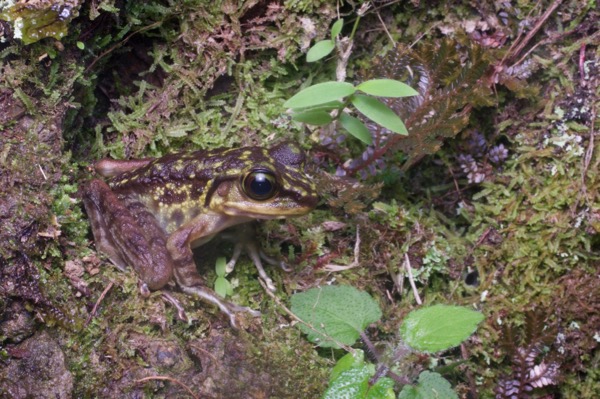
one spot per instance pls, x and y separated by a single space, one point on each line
411 280
536 28
100 299
330 267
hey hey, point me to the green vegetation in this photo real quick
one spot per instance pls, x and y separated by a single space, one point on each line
490 202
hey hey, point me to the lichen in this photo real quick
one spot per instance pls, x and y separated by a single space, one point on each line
31 24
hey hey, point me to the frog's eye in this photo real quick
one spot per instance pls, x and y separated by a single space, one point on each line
260 184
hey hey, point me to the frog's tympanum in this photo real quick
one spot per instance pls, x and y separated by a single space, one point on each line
151 212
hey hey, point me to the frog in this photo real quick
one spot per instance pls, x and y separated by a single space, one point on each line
149 213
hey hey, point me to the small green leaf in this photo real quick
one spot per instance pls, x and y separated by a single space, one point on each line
316 117
320 93
379 113
353 383
347 362
80 45
439 327
356 128
382 389
348 379
430 386
336 28
222 286
319 50
337 314
220 266
386 88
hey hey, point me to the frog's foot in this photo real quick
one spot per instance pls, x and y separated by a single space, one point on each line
244 240
177 305
274 261
230 309
144 290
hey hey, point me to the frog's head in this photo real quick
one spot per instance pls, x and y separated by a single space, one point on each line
270 184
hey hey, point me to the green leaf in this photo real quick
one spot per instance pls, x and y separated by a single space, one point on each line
379 113
386 88
351 384
320 93
430 386
328 106
319 50
350 379
316 117
222 286
347 362
220 266
336 28
382 389
356 128
439 327
337 313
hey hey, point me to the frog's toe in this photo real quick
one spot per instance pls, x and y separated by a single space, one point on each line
144 290
238 309
230 309
269 283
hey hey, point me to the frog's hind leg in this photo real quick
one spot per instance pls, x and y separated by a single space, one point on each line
128 233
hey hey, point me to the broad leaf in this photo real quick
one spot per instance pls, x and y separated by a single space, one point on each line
347 362
319 50
351 384
356 128
223 287
382 389
220 266
386 88
316 117
337 28
349 376
379 113
337 314
439 327
430 386
320 93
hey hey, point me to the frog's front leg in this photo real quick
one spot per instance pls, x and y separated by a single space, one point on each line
186 274
128 233
244 238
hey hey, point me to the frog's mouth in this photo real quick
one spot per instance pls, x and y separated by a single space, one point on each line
265 211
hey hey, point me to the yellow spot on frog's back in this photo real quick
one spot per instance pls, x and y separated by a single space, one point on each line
245 155
179 165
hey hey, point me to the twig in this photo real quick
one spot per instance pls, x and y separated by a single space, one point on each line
207 353
100 299
589 152
164 378
122 43
42 170
411 280
521 45
385 28
330 267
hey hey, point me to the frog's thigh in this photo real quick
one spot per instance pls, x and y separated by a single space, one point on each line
185 270
179 244
184 266
128 234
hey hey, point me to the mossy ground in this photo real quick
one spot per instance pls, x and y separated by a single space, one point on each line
138 79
